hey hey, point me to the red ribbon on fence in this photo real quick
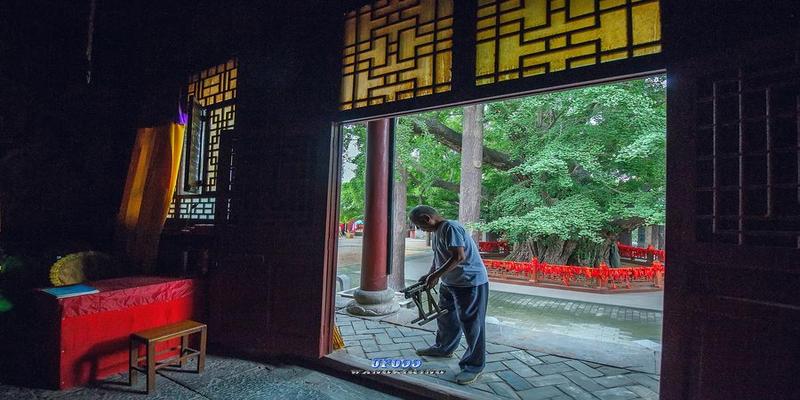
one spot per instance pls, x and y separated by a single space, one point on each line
638 252
567 273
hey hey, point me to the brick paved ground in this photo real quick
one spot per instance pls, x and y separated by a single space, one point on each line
510 372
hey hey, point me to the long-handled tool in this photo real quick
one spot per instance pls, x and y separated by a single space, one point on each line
415 292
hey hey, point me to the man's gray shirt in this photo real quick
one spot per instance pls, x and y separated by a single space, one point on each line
471 271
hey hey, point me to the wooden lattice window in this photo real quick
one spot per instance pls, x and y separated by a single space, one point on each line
746 138
213 92
520 38
396 50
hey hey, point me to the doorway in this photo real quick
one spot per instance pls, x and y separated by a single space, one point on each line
558 327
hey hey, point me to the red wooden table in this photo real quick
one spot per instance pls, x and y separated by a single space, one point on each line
86 337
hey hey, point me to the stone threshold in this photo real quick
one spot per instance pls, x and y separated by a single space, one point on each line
344 362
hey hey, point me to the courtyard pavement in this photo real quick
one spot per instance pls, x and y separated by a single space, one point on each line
615 328
512 372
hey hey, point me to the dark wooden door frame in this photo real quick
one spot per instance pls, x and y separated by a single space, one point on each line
464 91
713 285
334 183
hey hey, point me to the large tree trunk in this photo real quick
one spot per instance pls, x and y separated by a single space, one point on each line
625 238
469 201
590 254
648 235
397 279
555 251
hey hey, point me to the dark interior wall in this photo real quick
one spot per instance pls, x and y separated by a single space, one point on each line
273 258
47 131
65 144
65 153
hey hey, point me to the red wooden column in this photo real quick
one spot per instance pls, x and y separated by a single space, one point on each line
373 296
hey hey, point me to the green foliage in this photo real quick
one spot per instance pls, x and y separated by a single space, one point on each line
429 162
591 158
574 218
425 160
351 204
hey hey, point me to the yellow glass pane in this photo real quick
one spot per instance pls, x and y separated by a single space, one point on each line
579 8
517 38
643 51
400 50
646 23
606 4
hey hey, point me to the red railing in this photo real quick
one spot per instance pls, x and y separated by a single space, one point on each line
650 253
494 247
601 277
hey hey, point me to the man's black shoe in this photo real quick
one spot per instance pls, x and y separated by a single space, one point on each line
433 352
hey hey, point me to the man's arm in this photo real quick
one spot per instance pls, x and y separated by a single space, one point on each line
456 257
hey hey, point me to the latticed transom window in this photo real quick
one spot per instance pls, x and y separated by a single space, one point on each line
400 50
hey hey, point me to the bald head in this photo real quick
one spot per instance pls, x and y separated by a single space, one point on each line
419 210
425 217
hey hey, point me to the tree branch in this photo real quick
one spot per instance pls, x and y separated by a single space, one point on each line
447 185
452 140
627 224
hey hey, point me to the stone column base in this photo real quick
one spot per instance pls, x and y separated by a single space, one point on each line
373 303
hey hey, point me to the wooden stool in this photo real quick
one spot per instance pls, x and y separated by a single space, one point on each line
151 337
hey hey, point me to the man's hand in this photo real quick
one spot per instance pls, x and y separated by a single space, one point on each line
431 280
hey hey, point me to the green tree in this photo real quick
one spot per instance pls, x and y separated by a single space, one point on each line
563 173
568 171
351 204
592 164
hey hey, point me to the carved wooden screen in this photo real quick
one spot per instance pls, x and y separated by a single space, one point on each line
520 38
747 129
396 50
215 90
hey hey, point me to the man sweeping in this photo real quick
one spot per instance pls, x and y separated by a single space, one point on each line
463 293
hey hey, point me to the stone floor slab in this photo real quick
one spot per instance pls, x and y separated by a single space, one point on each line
548 380
549 369
497 348
575 392
643 392
494 366
499 357
503 390
584 369
606 370
384 354
583 381
542 393
614 381
645 380
525 357
487 377
515 381
520 368
617 393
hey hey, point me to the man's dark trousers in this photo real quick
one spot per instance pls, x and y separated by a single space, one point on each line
466 311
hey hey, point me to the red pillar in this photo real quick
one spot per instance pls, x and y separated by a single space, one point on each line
374 257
